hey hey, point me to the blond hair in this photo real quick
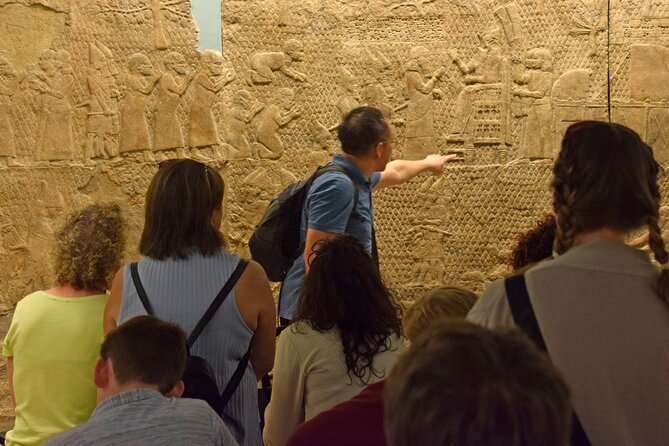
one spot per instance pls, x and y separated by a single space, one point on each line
443 302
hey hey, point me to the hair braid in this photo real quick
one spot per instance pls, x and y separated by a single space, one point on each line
563 198
657 245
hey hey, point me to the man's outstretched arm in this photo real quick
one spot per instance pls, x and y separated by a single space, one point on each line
401 171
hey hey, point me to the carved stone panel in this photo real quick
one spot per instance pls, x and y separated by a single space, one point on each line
93 94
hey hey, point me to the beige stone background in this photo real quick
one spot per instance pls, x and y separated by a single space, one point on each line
511 75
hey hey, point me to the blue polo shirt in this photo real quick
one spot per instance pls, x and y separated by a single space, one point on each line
328 208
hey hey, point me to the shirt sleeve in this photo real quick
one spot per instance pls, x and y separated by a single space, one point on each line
8 343
374 180
285 411
492 309
330 203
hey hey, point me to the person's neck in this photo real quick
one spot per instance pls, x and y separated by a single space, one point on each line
366 165
115 389
601 234
61 290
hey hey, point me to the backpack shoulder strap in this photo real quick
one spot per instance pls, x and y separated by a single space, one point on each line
234 381
337 168
522 311
134 272
241 266
524 317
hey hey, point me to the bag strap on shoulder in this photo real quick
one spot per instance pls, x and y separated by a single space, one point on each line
218 300
337 168
204 320
522 310
234 381
525 318
237 376
140 289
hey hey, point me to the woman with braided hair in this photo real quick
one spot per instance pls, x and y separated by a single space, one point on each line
601 306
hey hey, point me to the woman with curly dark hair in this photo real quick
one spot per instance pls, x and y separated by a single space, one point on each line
347 334
55 335
533 245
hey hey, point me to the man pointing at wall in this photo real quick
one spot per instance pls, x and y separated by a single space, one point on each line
331 207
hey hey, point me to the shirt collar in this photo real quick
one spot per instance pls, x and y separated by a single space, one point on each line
129 396
351 168
606 255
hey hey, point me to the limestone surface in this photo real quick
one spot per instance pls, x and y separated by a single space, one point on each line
94 94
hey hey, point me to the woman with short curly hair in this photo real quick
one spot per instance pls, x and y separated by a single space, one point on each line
55 335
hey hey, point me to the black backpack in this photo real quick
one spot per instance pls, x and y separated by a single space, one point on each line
199 377
275 242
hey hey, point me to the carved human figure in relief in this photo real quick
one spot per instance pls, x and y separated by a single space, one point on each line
535 85
9 82
375 95
209 81
427 236
244 108
139 83
487 67
40 232
649 9
420 135
248 208
173 84
54 82
275 117
102 122
347 101
160 11
263 65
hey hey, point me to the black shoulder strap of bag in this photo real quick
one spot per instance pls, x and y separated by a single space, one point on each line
218 300
337 168
204 320
375 249
526 320
522 310
140 289
234 381
236 378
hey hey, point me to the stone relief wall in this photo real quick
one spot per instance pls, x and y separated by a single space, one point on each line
94 94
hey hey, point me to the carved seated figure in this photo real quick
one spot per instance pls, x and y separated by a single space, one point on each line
486 68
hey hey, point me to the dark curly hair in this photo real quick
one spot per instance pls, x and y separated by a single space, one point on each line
344 290
535 244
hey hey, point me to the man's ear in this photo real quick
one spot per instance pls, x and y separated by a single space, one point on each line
102 373
177 390
378 150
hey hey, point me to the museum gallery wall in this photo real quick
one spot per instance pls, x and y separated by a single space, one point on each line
93 94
